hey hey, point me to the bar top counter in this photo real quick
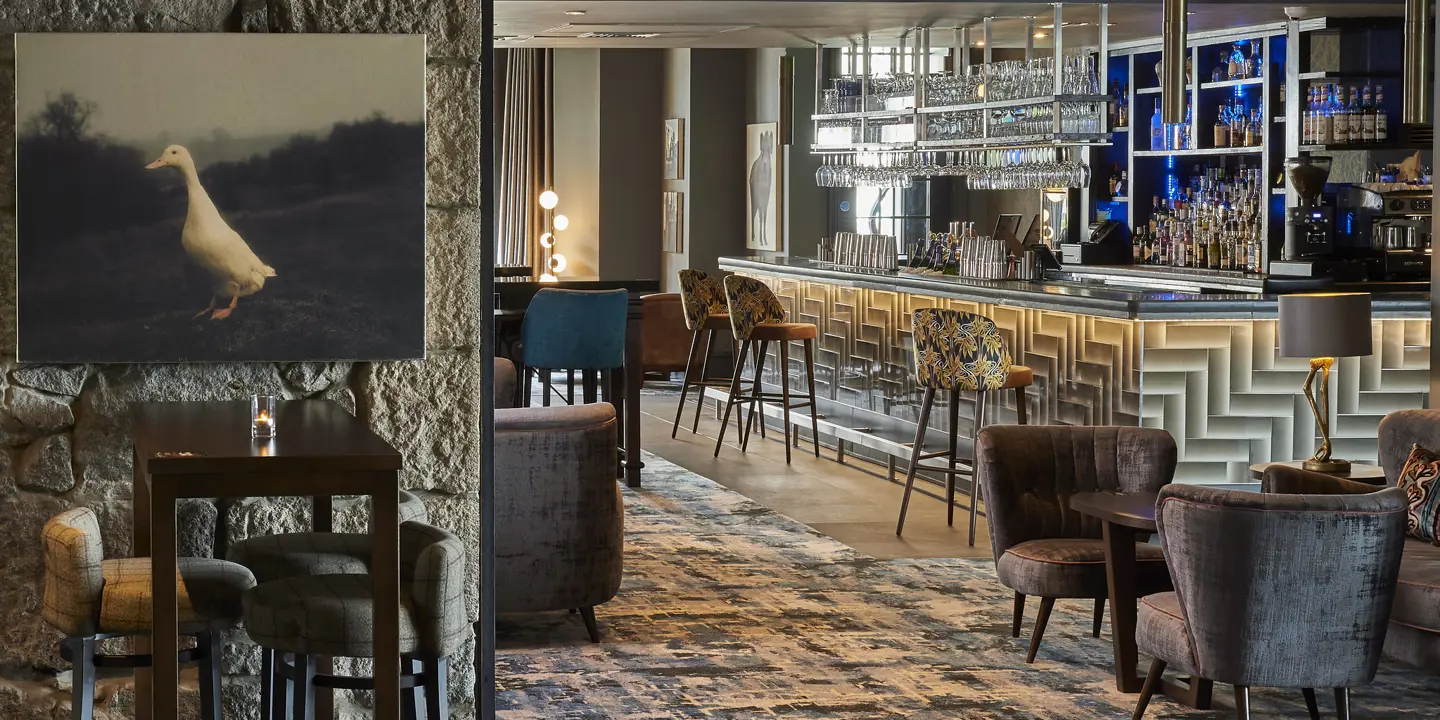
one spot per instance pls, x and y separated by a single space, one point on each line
1089 298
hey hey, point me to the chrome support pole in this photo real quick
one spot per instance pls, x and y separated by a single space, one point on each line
1417 94
1059 39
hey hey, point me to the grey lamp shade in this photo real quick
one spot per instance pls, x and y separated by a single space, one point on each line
1325 325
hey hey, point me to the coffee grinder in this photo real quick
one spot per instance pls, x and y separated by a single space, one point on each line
1309 226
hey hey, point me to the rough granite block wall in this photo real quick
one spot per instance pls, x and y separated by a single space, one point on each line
64 431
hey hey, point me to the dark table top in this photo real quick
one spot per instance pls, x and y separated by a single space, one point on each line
311 436
1136 510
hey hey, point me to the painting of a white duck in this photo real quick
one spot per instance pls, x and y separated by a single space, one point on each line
235 270
220 197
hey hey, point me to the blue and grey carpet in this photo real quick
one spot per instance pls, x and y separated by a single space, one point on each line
730 610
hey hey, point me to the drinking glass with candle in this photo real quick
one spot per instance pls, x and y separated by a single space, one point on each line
262 417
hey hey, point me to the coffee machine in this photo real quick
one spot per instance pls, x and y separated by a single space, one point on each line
1310 225
1401 235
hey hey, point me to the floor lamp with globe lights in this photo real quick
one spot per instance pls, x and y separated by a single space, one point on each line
554 261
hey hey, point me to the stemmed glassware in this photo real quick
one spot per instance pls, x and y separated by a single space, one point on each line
1016 169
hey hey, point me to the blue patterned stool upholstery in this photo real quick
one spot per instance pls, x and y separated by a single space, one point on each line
573 330
957 351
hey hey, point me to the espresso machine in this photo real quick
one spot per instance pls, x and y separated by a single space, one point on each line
1310 225
1400 236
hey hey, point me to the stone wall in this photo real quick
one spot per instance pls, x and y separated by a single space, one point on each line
64 431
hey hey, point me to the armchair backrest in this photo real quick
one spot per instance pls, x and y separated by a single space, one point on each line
559 521
1283 590
432 561
575 329
1399 432
74 580
1029 472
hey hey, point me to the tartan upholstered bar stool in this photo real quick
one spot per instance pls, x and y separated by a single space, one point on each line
757 318
90 599
955 352
707 315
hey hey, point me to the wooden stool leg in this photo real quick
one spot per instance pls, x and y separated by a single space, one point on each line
915 452
1020 406
954 450
590 385
814 406
762 350
756 404
544 386
974 477
731 400
695 342
704 378
785 395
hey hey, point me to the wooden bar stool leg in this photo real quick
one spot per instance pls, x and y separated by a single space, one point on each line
695 342
570 387
544 386
915 452
954 450
588 382
704 378
785 395
975 478
732 399
1021 410
814 406
756 404
761 351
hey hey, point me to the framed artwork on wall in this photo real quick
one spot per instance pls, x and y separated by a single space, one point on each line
217 197
674 228
675 149
763 181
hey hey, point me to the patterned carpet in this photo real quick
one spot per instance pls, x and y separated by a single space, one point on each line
730 610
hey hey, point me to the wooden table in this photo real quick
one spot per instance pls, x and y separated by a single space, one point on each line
1371 474
1126 518
512 298
204 449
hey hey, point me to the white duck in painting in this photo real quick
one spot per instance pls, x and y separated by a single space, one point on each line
234 269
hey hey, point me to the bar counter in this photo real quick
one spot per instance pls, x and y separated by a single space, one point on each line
1203 366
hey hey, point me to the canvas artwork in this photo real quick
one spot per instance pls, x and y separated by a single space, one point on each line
674 228
675 149
762 197
256 197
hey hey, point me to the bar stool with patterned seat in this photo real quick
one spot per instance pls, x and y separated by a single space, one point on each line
958 351
757 317
707 314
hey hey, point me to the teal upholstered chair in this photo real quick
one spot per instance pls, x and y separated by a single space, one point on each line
573 330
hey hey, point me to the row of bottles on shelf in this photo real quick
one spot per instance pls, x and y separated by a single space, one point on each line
1119 104
1329 119
1170 136
1237 127
1214 223
962 253
1235 65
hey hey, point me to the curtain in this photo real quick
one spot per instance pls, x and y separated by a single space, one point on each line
523 170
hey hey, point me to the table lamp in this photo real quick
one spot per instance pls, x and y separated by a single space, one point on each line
1322 327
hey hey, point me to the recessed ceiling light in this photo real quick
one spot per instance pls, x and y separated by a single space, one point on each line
575 12
1039 35
979 43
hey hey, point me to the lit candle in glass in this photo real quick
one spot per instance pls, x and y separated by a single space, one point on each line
262 417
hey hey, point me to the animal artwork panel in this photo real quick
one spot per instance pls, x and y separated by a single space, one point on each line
763 180
277 181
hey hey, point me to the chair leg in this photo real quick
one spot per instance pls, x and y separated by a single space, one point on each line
283 688
1152 682
1242 702
1099 616
785 393
267 684
704 377
756 405
437 689
1019 614
544 386
589 386
980 402
410 697
1311 705
954 449
1020 408
210 645
762 352
304 705
730 401
1342 703
814 406
915 452
695 342
82 678
588 615
1046 605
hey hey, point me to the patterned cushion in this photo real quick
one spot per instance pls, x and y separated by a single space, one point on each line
702 296
73 576
209 594
958 350
751 303
334 614
1421 481
1074 568
274 557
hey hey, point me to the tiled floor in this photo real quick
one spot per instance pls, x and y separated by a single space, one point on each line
853 503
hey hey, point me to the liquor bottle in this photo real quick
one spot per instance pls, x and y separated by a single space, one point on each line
1212 253
1222 130
1340 115
1357 117
1137 246
1236 63
1382 120
1324 121
1254 66
1124 105
1157 130
1307 132
1114 109
1122 188
1367 117
1254 130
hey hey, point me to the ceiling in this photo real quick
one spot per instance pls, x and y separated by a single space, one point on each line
754 24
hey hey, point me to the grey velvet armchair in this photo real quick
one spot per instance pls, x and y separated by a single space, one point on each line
1289 591
559 519
1041 546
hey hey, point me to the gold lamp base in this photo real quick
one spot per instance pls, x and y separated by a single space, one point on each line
1327 466
1322 462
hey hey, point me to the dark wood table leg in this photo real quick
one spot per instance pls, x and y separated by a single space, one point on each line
385 511
140 547
322 520
164 610
634 378
1120 578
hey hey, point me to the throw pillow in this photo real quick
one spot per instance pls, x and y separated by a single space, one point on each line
1421 482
